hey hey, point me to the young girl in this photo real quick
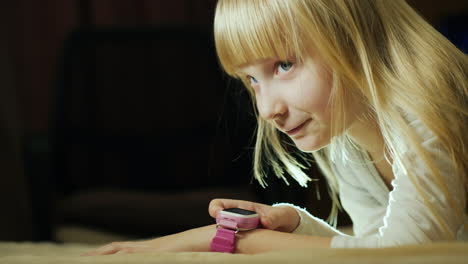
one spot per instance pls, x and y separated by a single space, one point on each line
374 93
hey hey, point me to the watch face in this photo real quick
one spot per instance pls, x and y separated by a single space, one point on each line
240 211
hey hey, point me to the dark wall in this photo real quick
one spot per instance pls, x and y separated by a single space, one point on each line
15 222
40 27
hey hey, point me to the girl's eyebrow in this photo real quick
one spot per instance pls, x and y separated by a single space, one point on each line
263 63
240 74
238 69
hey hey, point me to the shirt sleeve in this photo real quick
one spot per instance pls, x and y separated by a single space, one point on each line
311 225
364 209
408 218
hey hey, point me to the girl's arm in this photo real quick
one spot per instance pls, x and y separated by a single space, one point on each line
264 240
198 239
277 222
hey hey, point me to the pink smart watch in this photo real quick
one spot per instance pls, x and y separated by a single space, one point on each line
228 223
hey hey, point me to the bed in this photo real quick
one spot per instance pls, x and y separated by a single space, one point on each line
50 253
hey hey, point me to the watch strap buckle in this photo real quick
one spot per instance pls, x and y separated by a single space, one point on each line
227 223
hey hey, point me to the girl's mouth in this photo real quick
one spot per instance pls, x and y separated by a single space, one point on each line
296 130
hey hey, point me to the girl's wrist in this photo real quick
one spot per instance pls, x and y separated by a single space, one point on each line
296 221
293 218
201 238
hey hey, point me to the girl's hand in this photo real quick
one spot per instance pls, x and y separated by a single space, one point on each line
196 239
123 247
279 218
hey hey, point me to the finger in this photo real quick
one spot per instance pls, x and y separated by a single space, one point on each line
217 205
272 219
105 250
112 248
138 249
282 218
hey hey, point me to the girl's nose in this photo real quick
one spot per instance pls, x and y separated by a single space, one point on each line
271 106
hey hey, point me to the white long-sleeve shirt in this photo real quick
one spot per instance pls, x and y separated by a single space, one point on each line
383 218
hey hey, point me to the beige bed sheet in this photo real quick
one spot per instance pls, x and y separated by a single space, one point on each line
42 253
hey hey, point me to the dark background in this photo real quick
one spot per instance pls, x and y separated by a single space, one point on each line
83 142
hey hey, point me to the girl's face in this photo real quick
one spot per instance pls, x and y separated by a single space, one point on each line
294 97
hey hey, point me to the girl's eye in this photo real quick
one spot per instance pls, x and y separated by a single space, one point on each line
284 66
252 80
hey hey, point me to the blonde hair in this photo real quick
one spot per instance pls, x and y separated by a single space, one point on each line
380 52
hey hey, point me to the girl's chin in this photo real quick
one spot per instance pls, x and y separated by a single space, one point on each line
305 144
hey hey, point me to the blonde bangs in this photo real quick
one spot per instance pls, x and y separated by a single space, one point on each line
244 32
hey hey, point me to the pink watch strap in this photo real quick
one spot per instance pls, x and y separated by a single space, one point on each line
224 241
225 238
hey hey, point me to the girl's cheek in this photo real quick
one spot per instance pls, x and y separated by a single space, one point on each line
314 95
256 89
